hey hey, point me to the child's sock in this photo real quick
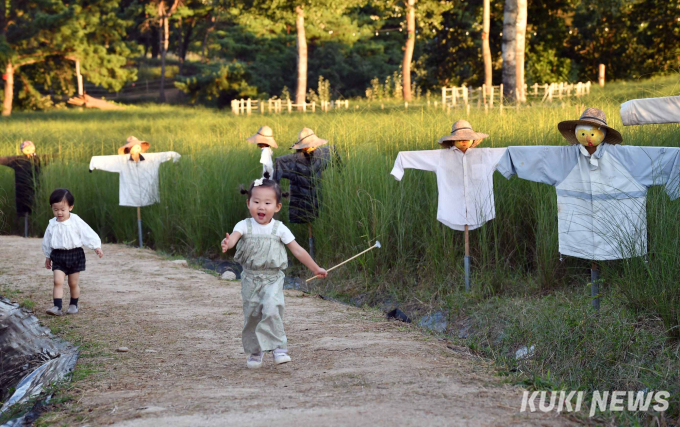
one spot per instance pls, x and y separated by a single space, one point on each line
74 301
57 302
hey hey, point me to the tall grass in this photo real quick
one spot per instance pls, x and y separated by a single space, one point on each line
421 260
361 201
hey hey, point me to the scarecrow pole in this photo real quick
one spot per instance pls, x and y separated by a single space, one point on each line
595 285
311 240
467 259
139 225
26 224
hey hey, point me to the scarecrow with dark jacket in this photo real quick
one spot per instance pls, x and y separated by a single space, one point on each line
304 170
26 175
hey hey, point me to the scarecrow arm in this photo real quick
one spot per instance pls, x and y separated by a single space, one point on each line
107 163
544 164
5 161
426 160
651 165
651 111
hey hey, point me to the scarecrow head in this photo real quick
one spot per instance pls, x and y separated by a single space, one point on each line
308 141
462 136
263 138
590 130
27 148
134 147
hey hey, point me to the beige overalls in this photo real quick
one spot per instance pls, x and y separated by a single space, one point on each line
263 257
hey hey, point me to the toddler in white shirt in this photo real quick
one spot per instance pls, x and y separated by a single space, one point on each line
62 246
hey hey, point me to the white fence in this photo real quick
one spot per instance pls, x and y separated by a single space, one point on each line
248 106
487 96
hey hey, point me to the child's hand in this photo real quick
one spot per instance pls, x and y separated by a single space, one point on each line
99 252
321 273
48 263
225 244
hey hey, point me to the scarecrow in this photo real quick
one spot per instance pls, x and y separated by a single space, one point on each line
651 111
304 170
464 179
26 177
601 188
264 138
138 185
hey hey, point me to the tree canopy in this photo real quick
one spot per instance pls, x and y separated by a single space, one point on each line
248 47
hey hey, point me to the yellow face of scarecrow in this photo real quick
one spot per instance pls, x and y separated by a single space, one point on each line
28 149
135 150
463 145
590 135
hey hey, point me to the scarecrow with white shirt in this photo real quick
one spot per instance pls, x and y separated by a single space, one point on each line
464 179
264 138
601 187
138 184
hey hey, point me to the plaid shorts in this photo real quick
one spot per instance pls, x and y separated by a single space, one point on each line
68 260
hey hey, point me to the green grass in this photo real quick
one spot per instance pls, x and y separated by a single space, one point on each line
515 257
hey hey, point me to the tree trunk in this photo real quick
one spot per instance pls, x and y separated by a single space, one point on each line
301 90
408 49
155 47
509 49
486 51
205 38
186 39
521 46
9 89
163 40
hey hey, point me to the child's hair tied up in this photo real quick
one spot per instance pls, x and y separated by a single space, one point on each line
264 182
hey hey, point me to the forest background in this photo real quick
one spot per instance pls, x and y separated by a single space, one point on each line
218 50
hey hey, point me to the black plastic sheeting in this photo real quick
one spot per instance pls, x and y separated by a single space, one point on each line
31 357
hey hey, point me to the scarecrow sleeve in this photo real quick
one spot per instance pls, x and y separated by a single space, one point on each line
282 168
167 155
651 165
545 164
106 163
651 111
426 160
493 156
6 161
88 236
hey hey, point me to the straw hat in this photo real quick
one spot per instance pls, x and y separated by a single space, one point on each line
264 135
307 139
462 131
27 144
591 116
131 142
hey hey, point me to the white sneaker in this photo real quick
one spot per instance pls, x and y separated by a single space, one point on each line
72 309
54 311
255 360
281 356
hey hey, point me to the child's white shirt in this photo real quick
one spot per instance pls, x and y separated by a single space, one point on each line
70 234
283 232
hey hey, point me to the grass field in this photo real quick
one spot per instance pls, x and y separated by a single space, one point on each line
517 272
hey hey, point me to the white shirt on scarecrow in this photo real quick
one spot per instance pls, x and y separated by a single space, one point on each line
69 234
649 111
138 180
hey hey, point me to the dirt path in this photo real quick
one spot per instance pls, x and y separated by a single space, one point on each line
186 366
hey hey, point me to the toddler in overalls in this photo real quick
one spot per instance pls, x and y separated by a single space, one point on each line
262 254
